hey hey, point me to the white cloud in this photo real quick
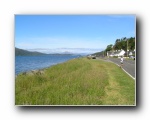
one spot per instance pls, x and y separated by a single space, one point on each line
67 50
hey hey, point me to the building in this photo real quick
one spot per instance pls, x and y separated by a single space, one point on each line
116 53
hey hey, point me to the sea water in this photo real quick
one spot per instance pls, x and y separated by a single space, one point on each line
28 63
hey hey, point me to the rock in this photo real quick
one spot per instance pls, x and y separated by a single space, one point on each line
37 72
34 72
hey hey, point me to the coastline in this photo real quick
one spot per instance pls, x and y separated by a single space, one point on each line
32 70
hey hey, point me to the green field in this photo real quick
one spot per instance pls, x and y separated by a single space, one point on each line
79 81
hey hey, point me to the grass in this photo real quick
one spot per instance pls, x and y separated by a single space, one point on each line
76 82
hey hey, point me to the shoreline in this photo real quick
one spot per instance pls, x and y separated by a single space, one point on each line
39 71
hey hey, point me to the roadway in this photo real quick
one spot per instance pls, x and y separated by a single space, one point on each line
128 65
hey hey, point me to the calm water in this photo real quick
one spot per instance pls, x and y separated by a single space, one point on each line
28 63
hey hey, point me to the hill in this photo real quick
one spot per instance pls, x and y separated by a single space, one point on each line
98 54
21 52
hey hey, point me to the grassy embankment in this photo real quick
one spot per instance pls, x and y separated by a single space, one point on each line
76 82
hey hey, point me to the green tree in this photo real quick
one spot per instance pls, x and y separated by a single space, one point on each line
109 47
131 43
122 43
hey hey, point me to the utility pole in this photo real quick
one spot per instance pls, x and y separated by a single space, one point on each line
103 53
127 47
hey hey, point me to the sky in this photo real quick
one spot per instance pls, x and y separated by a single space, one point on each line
47 33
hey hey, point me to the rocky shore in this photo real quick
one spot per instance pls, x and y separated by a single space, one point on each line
33 72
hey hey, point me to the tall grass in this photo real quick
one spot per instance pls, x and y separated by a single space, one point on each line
76 82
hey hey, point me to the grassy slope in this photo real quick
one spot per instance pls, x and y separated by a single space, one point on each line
77 82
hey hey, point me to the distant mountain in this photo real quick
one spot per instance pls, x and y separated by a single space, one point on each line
21 52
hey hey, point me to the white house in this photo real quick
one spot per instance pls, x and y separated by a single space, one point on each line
116 53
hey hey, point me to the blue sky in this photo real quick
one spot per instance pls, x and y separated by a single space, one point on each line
71 31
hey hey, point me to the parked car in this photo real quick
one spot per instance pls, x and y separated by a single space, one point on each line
93 57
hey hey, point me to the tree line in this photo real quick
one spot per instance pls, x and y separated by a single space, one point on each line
122 44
